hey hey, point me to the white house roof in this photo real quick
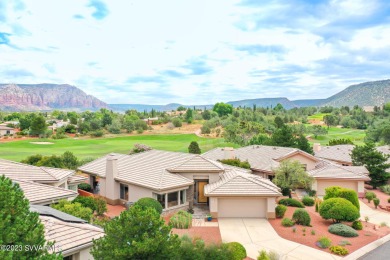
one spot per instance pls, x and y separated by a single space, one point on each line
148 169
76 179
15 170
69 237
237 183
341 153
198 164
328 170
43 194
5 128
260 157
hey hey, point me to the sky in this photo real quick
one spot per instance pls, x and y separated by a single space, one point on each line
195 51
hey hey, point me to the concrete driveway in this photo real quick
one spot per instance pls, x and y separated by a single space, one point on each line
376 217
256 234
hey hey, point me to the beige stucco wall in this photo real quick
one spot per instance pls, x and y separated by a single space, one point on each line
304 160
83 254
212 177
323 184
250 207
4 132
137 192
102 186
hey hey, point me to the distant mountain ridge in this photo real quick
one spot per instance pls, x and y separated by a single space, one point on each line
30 97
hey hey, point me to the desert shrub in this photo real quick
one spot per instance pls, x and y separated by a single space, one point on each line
286 222
97 133
339 250
217 252
338 209
370 196
238 250
301 217
311 193
307 201
273 255
385 189
263 255
324 242
383 224
150 203
181 219
344 243
342 230
291 202
339 192
357 225
85 187
376 202
280 210
101 206
88 202
177 122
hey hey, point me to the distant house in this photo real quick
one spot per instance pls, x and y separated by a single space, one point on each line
5 130
180 180
72 236
150 120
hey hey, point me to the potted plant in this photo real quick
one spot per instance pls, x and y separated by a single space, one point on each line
209 217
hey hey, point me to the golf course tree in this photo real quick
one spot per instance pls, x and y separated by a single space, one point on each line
38 126
375 162
330 120
223 109
194 148
291 175
20 228
138 233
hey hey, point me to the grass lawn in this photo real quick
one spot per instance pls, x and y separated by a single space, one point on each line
86 148
356 135
318 116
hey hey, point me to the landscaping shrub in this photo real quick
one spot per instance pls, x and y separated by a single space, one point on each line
357 225
307 201
332 192
338 209
385 189
217 252
311 193
286 222
280 210
376 202
301 217
238 250
150 203
344 243
342 230
324 242
88 202
85 187
97 133
74 209
339 250
317 202
370 196
181 219
263 255
291 202
339 192
101 206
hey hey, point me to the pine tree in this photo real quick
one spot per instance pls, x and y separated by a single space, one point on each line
20 227
194 148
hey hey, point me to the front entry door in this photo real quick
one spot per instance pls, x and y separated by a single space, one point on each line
201 197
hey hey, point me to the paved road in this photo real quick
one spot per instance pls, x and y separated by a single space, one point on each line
381 253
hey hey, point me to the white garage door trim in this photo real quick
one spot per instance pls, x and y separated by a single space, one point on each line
242 207
322 184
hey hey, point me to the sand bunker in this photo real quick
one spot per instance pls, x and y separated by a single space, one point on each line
41 143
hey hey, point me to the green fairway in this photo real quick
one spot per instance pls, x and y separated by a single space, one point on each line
86 148
355 135
319 116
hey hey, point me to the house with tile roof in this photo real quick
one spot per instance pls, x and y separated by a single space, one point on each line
5 130
327 169
180 180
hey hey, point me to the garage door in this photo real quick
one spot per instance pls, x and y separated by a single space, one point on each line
322 185
242 207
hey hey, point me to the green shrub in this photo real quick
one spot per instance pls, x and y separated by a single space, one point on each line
150 203
181 219
291 202
85 187
238 250
263 255
385 189
74 209
376 202
101 206
370 196
97 133
339 192
332 192
286 222
342 230
177 122
88 202
307 201
280 210
301 217
344 243
339 250
324 242
338 209
357 225
311 193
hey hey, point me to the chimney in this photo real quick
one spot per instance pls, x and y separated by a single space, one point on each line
228 153
316 147
111 174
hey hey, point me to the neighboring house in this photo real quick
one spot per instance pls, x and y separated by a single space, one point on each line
45 175
179 180
340 154
265 159
150 120
72 236
5 130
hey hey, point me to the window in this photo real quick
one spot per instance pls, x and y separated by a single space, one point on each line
124 192
73 187
183 196
160 198
173 199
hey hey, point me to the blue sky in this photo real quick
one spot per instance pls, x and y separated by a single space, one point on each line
195 52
